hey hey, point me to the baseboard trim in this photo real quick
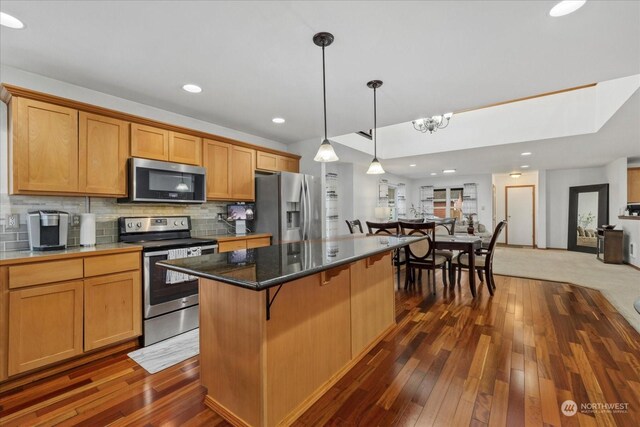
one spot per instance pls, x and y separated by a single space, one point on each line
635 267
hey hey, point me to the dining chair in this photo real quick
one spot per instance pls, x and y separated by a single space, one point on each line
414 220
422 255
447 226
483 259
391 229
353 224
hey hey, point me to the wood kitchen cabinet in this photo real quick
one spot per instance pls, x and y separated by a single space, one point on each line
239 242
149 142
230 171
112 309
185 148
272 162
217 161
242 169
633 185
103 151
44 147
45 325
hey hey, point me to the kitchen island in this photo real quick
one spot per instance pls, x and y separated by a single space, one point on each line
279 325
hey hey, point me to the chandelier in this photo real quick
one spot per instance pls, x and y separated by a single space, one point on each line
432 124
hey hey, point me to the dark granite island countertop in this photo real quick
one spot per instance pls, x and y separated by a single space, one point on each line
281 263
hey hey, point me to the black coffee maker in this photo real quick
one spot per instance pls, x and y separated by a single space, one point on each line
47 230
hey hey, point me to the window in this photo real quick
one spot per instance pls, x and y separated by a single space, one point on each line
445 201
455 202
440 202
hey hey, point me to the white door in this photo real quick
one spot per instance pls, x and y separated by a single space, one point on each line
520 216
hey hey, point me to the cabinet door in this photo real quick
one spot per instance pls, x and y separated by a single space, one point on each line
103 152
266 161
372 300
633 185
45 325
45 147
185 148
217 159
243 166
112 309
149 142
287 164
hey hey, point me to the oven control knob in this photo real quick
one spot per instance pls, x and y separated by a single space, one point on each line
182 223
139 225
175 223
130 225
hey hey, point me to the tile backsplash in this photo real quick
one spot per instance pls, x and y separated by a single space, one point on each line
204 217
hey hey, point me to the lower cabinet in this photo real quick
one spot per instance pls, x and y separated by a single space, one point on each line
249 242
45 325
53 317
112 309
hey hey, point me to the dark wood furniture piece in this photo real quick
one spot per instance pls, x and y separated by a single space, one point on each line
610 246
391 229
353 224
483 263
448 225
422 255
465 243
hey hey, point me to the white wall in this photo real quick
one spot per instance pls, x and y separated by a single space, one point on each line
483 182
557 199
501 181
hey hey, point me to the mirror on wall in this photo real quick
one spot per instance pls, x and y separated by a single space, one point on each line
588 211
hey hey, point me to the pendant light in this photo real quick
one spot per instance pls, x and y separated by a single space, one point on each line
325 152
375 168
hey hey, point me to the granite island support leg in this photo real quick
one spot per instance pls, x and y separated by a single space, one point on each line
261 372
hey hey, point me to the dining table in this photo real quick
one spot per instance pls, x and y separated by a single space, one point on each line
462 242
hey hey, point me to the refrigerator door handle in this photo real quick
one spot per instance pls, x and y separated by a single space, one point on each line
303 210
308 208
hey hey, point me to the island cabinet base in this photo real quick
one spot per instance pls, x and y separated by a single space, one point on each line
261 372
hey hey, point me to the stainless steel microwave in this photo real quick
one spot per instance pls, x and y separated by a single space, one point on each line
153 181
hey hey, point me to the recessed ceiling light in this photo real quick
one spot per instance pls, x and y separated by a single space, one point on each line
515 174
449 171
433 174
566 7
189 87
278 120
412 165
9 21
526 153
524 166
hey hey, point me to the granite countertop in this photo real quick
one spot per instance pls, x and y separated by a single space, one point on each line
269 266
14 257
230 237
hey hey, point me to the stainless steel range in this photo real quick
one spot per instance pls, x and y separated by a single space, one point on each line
170 299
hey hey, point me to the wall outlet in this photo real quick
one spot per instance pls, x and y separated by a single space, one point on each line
75 219
12 222
221 217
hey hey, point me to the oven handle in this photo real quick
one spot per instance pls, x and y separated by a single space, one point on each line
150 254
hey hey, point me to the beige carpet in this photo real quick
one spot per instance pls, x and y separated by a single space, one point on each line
620 284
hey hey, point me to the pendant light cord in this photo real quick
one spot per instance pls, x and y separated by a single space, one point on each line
324 95
375 126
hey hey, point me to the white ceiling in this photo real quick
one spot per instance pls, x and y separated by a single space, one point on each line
256 60
619 137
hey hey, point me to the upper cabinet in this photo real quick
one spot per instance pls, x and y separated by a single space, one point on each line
275 162
103 152
633 185
149 142
217 160
243 166
44 147
185 149
230 171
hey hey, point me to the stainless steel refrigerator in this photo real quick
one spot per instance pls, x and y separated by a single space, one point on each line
288 205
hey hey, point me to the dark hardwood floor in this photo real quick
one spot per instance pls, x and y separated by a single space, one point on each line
510 360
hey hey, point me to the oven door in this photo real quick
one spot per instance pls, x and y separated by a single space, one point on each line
155 181
161 297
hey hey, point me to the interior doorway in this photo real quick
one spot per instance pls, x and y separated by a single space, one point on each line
520 214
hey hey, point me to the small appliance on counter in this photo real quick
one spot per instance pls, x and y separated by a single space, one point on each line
87 229
47 230
633 208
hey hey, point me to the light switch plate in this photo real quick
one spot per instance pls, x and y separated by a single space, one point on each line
12 222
